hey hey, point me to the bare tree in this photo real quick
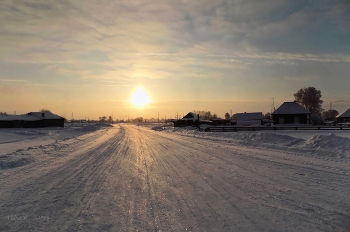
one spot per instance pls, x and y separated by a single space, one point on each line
3 113
102 119
310 98
267 115
45 111
330 114
206 115
227 116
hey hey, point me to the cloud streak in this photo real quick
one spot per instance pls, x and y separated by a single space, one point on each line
155 42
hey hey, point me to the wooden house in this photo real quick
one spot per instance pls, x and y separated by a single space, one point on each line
291 113
344 117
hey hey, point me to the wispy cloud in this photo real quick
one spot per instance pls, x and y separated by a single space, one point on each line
13 80
231 42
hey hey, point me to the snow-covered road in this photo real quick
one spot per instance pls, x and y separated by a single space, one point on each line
130 178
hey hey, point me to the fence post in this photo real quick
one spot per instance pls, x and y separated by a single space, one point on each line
199 125
318 127
274 128
235 129
296 128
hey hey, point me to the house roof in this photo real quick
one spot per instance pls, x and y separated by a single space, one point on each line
346 114
22 117
193 117
32 116
249 116
291 108
46 115
190 115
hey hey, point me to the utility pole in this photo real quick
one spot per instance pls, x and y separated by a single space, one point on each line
273 105
158 117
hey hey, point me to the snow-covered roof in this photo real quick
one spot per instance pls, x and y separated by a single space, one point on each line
190 115
346 114
22 117
291 108
249 116
32 116
46 115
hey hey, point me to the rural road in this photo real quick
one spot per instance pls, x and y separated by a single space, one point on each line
135 179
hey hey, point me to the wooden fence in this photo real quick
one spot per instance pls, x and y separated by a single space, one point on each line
234 128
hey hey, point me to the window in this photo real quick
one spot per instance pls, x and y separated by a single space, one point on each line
296 119
281 120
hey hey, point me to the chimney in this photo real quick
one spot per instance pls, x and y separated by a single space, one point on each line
43 115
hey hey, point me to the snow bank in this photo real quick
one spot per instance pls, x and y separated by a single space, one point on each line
328 145
20 146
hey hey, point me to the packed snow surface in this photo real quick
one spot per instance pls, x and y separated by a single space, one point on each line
151 177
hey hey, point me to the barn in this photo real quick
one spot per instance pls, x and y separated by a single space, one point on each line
291 112
344 117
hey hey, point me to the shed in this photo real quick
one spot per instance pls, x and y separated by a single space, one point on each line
291 112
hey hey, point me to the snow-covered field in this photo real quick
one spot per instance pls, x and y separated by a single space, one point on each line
152 178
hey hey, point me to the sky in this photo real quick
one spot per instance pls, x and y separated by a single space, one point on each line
89 57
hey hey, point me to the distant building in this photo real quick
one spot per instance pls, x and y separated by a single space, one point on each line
344 117
247 119
291 112
31 120
189 119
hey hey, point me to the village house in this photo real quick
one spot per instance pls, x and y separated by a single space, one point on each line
31 120
190 119
344 117
291 112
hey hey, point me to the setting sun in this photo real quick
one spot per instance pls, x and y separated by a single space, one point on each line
140 98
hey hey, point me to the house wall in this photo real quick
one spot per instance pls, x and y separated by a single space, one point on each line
53 122
32 124
217 122
343 119
182 123
289 118
6 124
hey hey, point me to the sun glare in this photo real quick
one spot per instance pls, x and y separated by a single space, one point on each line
140 98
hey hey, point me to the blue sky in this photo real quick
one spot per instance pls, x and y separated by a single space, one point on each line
88 57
